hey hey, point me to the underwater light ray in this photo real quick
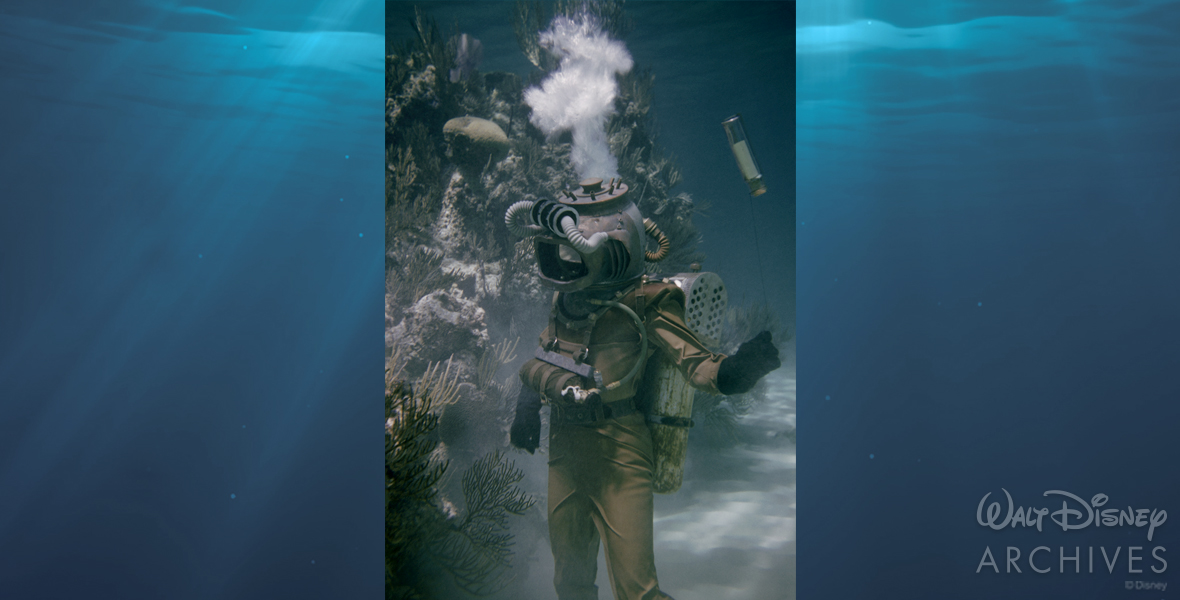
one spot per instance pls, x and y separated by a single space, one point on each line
209 194
1091 61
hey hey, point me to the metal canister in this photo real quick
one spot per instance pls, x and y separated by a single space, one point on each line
744 155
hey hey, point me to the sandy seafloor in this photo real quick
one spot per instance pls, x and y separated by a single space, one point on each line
729 532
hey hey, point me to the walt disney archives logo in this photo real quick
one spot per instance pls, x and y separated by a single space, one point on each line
1075 513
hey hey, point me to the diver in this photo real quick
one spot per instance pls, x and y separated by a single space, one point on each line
608 319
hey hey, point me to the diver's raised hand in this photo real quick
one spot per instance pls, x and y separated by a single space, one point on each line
738 373
526 427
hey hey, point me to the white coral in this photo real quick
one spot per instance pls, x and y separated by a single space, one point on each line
420 85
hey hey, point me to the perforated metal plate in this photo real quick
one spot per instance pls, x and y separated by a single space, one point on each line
705 301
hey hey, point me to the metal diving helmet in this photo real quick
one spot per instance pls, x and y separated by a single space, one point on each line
590 238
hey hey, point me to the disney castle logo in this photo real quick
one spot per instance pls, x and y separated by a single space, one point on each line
1075 513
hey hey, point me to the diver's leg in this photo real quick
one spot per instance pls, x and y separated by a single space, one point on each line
572 532
626 503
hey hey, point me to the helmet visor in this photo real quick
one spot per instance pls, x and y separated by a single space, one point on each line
559 262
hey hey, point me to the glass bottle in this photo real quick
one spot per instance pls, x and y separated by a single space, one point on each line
745 157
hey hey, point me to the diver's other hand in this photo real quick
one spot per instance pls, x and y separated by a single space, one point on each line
738 373
526 427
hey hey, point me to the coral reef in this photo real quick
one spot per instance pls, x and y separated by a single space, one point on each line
461 292
476 549
442 325
468 53
493 358
410 477
471 140
528 21
424 535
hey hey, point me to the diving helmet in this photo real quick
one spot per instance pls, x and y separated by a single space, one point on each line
590 238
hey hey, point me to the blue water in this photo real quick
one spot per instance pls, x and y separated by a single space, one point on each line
987 206
190 300
729 533
190 293
710 60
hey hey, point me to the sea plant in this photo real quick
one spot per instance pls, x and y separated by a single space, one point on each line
414 272
490 362
528 21
410 477
421 534
478 548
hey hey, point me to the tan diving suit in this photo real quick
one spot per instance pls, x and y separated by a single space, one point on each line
608 320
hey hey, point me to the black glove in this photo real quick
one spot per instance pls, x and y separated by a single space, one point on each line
526 427
754 359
